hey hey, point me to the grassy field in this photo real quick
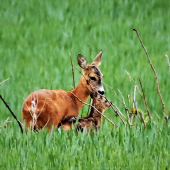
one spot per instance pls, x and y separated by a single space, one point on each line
35 40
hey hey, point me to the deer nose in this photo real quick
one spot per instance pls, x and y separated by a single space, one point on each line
101 92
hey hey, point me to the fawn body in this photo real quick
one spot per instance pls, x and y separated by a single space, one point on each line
93 120
48 107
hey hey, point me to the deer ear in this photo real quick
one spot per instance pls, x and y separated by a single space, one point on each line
97 60
82 61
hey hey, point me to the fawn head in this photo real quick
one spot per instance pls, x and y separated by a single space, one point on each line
99 100
91 73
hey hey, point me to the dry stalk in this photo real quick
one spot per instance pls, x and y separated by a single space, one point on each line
19 123
142 116
142 96
134 83
134 104
95 109
72 70
144 99
122 101
168 62
134 96
156 77
33 115
4 81
6 122
115 94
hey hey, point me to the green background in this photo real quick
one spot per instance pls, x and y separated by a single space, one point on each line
36 37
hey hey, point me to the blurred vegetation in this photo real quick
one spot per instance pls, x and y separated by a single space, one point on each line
36 37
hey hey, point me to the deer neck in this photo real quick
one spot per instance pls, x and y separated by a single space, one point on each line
82 92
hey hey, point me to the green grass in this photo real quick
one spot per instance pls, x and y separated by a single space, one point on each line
35 40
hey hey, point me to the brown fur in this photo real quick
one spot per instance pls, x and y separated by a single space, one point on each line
93 120
48 107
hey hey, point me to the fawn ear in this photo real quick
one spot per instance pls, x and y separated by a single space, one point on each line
97 60
82 61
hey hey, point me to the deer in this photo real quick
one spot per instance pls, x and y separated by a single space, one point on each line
92 122
46 108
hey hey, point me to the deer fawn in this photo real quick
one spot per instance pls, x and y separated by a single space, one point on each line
93 120
48 107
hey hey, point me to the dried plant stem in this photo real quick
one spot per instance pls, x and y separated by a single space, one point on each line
72 69
168 62
4 81
134 96
6 122
19 123
156 77
114 93
123 102
95 109
134 83
142 116
144 99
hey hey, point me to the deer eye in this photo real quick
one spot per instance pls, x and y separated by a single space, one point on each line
93 78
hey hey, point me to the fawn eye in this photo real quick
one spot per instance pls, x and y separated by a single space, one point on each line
93 78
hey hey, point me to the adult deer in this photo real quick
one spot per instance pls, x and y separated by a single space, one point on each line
48 107
93 120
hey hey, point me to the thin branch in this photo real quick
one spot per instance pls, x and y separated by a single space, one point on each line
4 81
114 93
156 77
19 123
116 111
144 99
95 109
168 62
134 83
72 69
122 101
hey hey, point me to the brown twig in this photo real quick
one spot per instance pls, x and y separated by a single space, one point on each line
72 69
114 93
142 116
122 101
134 83
19 123
95 109
144 99
156 77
